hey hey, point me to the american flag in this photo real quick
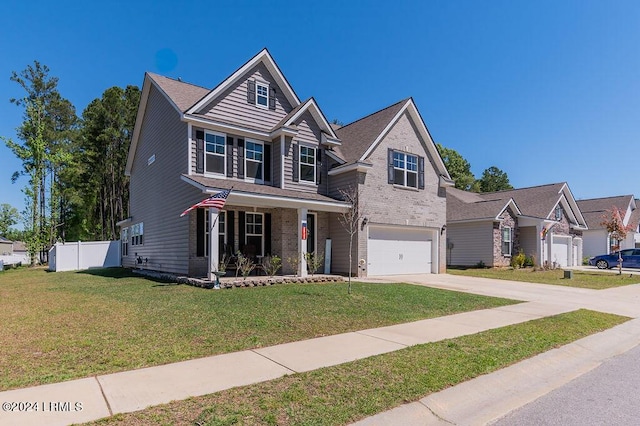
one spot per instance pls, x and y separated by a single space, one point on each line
217 200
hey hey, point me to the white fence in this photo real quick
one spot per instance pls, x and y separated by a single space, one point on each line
84 255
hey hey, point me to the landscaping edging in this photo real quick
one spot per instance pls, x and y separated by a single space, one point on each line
232 282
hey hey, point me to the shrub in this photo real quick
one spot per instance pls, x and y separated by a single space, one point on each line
518 260
245 265
480 264
293 263
314 261
271 264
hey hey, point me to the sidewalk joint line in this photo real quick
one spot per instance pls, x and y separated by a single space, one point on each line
436 415
274 361
104 396
361 332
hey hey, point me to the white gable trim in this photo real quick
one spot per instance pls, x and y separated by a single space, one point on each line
333 156
570 206
311 106
513 205
361 167
264 57
410 108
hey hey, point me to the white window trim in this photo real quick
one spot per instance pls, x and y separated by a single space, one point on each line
265 85
246 230
222 226
314 165
405 169
124 239
246 177
224 155
510 241
137 234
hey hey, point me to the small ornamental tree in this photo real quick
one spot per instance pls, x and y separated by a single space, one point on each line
612 221
350 220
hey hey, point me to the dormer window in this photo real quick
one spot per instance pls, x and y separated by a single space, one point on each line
558 212
262 95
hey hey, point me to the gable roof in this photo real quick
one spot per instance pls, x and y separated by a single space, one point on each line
536 202
311 106
362 136
594 208
182 95
263 57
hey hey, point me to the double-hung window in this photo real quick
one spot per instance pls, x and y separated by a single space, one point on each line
254 160
215 153
222 234
254 234
405 167
262 95
124 239
307 164
506 241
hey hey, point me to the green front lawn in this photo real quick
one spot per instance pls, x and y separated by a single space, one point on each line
582 279
65 325
349 392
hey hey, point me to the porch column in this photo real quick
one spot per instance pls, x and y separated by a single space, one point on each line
539 245
302 243
213 242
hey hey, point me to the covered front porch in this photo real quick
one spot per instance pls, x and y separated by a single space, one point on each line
258 226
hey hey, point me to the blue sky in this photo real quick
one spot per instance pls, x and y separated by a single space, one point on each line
547 91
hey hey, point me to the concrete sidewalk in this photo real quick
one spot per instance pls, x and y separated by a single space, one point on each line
92 398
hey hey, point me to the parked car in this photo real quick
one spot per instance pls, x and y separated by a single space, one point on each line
630 259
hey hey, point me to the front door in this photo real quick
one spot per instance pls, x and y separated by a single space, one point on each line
311 232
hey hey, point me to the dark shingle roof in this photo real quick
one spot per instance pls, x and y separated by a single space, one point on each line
536 201
184 95
358 136
593 209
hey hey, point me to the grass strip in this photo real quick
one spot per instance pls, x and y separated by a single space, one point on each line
67 325
349 392
590 280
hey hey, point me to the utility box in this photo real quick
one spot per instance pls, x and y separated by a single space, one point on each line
568 275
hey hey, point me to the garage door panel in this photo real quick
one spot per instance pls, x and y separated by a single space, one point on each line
560 250
399 251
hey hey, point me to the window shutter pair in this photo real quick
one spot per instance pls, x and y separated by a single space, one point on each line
420 172
241 158
251 92
200 250
296 162
241 230
199 151
230 232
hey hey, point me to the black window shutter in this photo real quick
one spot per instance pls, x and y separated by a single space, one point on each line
251 92
199 151
241 158
200 232
229 154
241 230
318 165
267 163
420 172
390 161
230 232
267 234
296 160
272 98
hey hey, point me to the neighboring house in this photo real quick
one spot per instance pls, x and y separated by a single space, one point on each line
542 221
286 166
6 246
596 239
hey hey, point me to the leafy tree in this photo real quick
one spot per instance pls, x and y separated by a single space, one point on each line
459 169
493 179
46 134
107 128
613 223
9 216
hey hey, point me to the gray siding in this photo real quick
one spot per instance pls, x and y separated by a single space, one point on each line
231 106
341 181
158 196
340 247
472 243
528 240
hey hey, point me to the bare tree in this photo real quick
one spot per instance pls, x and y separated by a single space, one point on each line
350 220
612 221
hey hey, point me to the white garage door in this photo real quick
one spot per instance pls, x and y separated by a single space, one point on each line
395 250
560 250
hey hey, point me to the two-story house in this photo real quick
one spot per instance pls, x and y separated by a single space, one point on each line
285 165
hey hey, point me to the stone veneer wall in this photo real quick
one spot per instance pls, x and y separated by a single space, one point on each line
508 220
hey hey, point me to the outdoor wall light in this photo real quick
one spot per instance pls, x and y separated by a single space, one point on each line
365 220
444 228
